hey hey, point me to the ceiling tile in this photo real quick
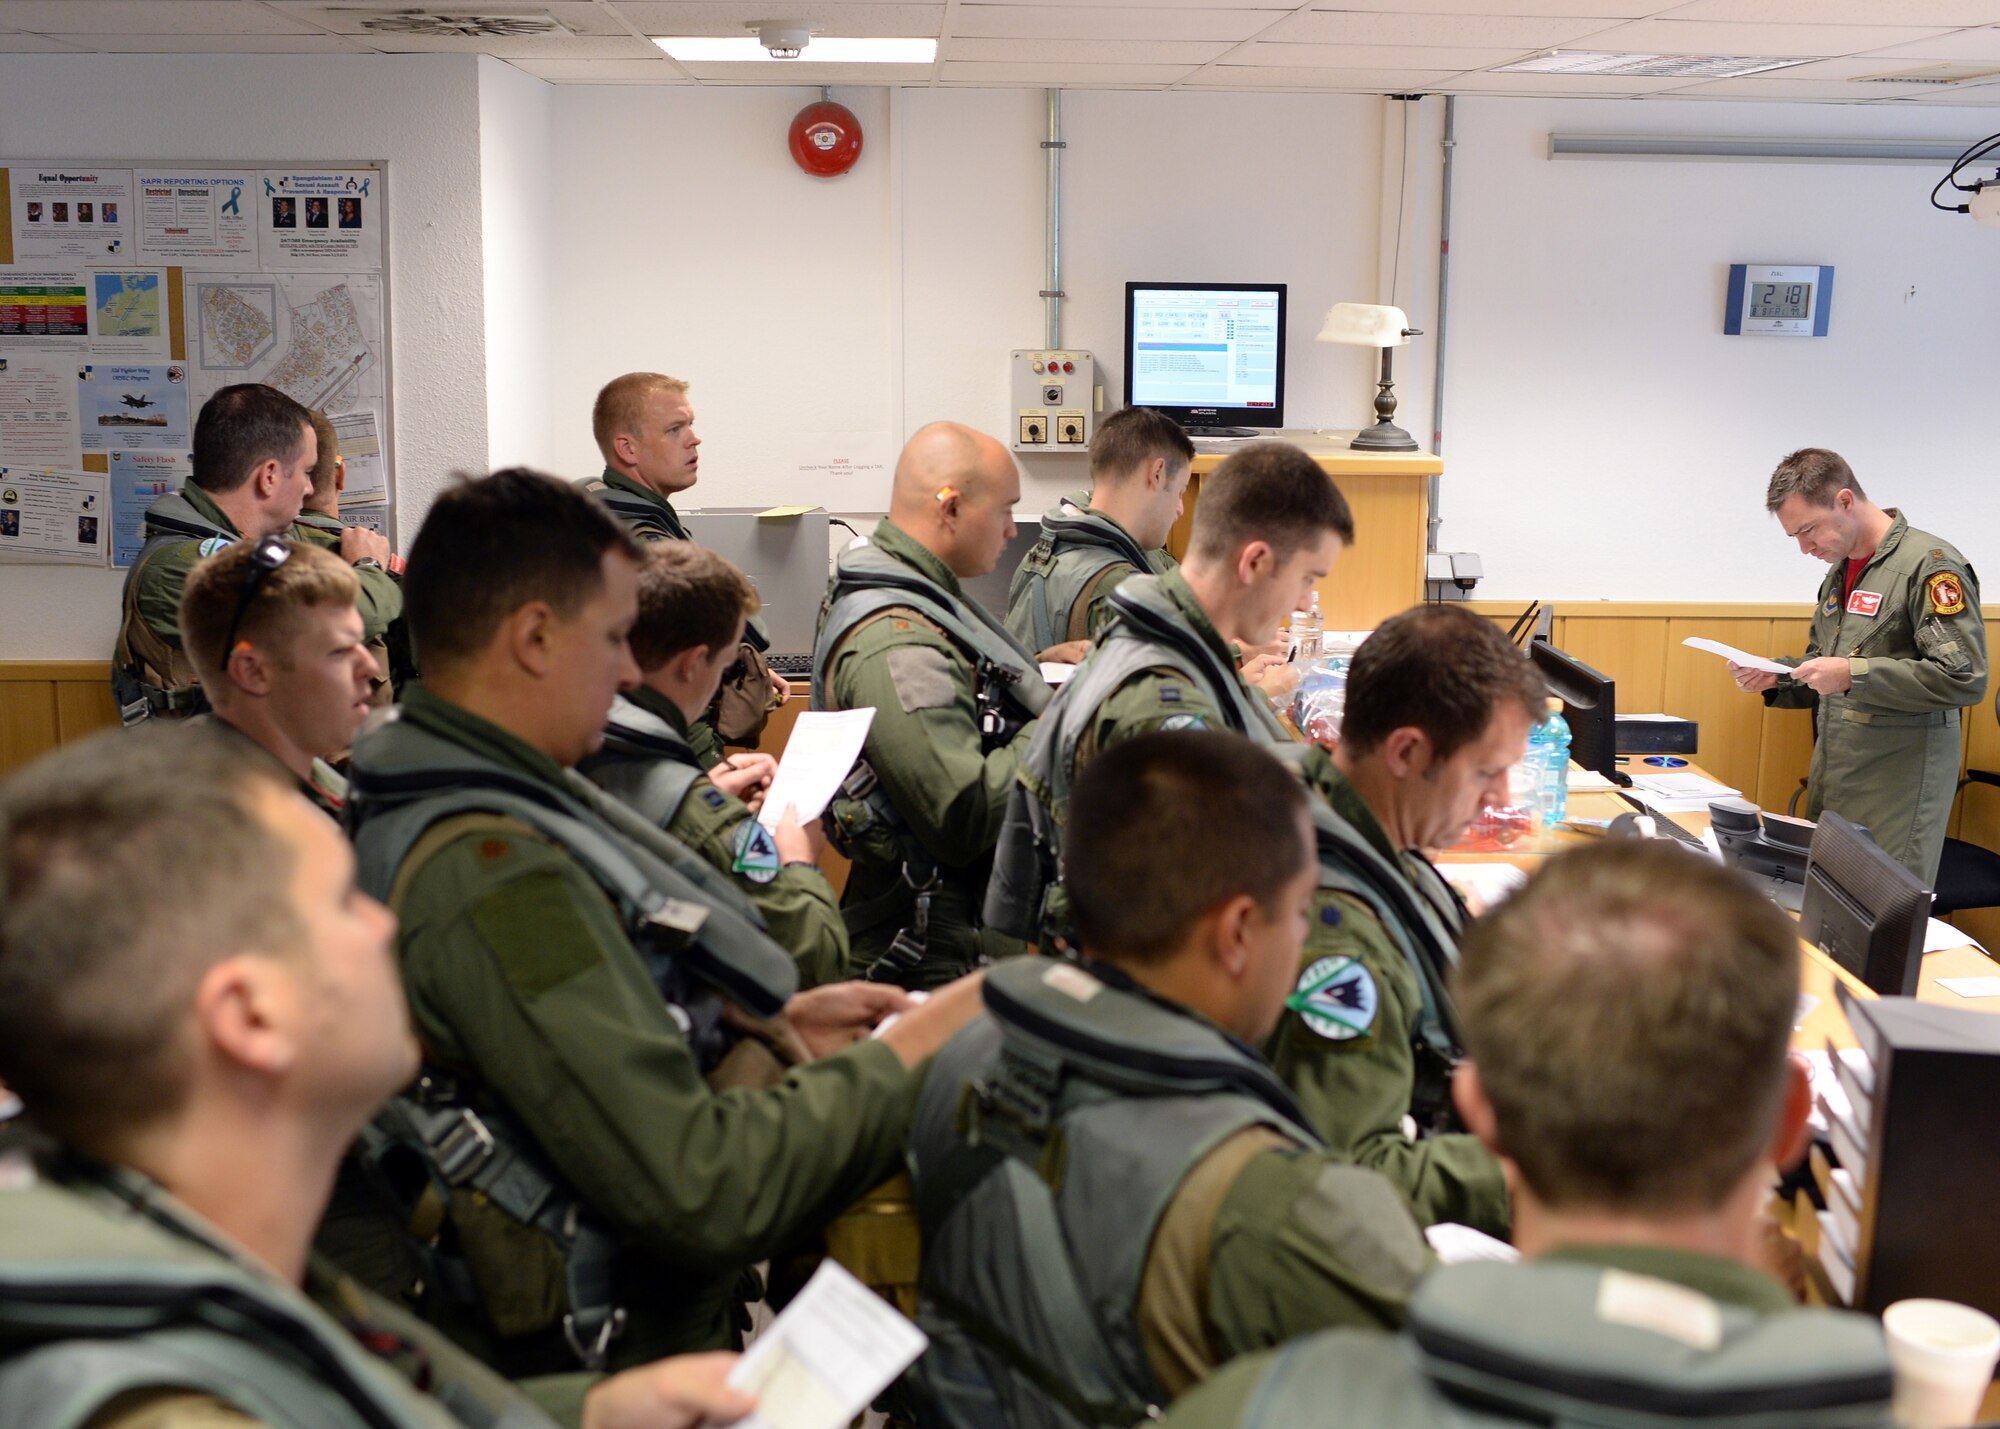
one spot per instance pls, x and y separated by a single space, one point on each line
1370 57
1849 67
150 17
1984 95
1557 85
1702 37
730 17
1610 11
1963 45
1350 81
33 45
1185 53
348 17
1501 32
804 75
603 71
1159 4
1757 86
1078 76
508 47
1836 12
127 44
1107 22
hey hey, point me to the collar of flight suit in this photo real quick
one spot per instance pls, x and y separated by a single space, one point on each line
658 705
892 540
625 485
461 726
1728 1281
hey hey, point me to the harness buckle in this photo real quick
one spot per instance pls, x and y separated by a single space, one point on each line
610 1323
462 1146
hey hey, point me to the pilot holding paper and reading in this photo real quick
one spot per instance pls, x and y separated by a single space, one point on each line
1897 649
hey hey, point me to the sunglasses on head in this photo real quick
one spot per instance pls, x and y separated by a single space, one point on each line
266 556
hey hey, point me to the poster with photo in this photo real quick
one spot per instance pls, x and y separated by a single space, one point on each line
198 218
325 221
133 406
59 516
138 479
74 211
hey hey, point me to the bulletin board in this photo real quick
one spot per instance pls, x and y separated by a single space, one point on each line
131 292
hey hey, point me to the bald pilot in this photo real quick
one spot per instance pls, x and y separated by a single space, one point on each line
953 693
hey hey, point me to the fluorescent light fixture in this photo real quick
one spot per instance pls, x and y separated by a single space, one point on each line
824 49
1645 66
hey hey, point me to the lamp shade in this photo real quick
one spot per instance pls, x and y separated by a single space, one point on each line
1365 325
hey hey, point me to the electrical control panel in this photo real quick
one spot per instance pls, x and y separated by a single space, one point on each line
1056 400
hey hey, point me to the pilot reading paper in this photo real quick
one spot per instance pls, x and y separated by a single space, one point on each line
823 747
835 1347
1735 656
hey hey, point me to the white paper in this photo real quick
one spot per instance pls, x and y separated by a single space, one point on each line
1054 672
128 313
1483 884
67 210
1657 718
1972 986
1740 657
54 516
375 518
823 747
1456 1244
1826 1086
367 475
133 406
323 220
1589 781
1680 786
865 456
835 1347
1940 935
315 337
198 218
138 479
38 410
44 309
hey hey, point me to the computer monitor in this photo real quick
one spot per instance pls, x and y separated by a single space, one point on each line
1209 355
1590 706
1863 909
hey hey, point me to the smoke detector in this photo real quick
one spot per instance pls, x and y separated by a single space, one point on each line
785 39
460 26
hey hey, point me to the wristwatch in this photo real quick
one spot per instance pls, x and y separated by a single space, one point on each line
367 563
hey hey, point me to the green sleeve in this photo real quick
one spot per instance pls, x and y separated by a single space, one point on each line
1791 694
1304 1241
519 970
1098 611
705 742
1154 699
380 602
1222 1401
1356 1090
161 583
799 907
1948 670
924 744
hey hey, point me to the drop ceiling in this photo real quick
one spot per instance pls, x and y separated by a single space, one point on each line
1846 47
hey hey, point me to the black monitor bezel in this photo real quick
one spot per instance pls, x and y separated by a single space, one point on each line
1599 751
1194 418
1849 873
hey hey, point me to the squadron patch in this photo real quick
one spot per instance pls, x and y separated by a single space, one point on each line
213 544
1864 602
1337 999
1832 602
1184 721
756 853
1947 593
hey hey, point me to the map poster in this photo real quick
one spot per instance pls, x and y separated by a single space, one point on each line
61 516
316 337
68 211
128 314
325 220
203 218
45 309
138 479
38 410
133 407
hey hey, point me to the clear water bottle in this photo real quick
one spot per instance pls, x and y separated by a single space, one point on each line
1548 759
1308 632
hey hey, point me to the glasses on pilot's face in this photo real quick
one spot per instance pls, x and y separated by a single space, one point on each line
266 556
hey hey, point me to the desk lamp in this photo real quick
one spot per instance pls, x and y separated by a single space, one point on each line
1375 325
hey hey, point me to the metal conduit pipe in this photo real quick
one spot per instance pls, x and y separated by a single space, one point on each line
1441 327
1052 147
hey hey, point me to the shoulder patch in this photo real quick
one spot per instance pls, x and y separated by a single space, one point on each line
922 676
1946 592
1337 998
1184 721
530 925
213 544
756 853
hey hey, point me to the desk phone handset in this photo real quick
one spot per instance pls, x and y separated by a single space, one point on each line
1773 845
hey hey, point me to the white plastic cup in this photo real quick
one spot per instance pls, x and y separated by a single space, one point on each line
1943 1354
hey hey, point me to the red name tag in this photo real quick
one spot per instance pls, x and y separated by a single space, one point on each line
1864 602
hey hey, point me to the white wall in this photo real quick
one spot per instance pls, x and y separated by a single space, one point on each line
1604 440
517 232
419 112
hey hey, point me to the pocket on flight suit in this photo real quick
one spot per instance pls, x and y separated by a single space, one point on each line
1883 779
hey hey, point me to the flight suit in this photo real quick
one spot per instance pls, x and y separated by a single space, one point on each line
1887 752
523 978
800 910
925 746
1062 589
1599 1334
150 671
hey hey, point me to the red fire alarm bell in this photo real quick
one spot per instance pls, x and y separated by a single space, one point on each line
825 139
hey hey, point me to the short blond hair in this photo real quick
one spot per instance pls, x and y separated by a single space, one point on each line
621 406
310 577
329 455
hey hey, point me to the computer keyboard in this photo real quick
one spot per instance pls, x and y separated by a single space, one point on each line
790 666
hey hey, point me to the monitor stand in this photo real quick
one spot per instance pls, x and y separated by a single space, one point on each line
1201 433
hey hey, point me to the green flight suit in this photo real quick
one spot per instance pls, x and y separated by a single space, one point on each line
381 600
801 911
1887 752
1356 1076
1547 1341
1078 578
521 976
149 664
926 750
1356 1092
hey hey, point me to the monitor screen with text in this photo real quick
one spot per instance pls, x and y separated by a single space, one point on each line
1218 347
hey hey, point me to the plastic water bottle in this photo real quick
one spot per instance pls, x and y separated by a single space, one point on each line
1308 630
1548 758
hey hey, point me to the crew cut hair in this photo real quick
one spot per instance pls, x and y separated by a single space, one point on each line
1165 828
688 595
1440 669
309 577
1814 473
492 544
239 429
1130 438
1270 492
621 405
1630 1013
326 465
130 863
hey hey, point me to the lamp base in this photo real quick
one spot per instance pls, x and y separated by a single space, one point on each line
1384 436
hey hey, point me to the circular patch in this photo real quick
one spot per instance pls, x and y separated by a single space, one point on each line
214 544
1184 721
1336 998
1947 594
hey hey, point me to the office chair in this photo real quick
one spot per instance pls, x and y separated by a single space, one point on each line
1968 874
